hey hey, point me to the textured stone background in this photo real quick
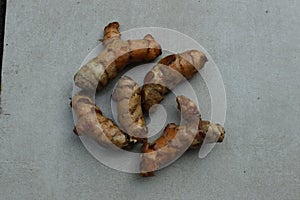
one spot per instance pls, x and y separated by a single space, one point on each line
257 48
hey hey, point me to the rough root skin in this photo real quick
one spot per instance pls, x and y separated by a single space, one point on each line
168 73
210 132
171 145
116 55
206 130
188 109
174 141
91 122
130 114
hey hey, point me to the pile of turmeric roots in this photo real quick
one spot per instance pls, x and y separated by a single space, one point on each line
132 101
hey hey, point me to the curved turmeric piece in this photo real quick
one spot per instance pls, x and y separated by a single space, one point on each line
168 73
130 114
162 150
91 122
116 55
206 130
189 110
174 141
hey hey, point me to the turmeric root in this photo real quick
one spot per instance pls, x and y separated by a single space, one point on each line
91 122
188 109
206 130
116 55
130 114
169 72
173 143
209 131
163 150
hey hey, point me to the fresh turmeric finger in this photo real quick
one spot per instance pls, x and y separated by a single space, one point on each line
163 150
130 114
91 122
167 148
174 141
116 55
189 110
168 73
206 130
210 132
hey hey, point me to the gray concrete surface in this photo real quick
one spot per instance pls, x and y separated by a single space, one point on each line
257 48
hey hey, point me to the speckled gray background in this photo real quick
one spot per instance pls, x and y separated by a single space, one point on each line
254 43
